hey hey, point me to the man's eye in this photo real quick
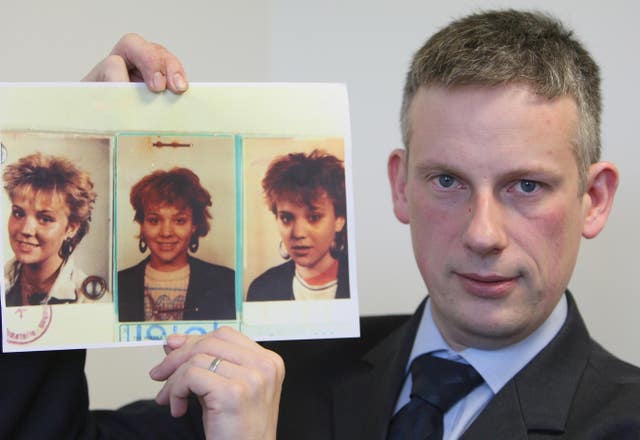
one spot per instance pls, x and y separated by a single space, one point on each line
446 181
17 213
528 186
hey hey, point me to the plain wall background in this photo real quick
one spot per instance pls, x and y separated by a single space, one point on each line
366 44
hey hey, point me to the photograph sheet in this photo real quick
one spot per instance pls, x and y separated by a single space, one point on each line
129 215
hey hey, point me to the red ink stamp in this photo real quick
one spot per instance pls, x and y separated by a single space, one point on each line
28 324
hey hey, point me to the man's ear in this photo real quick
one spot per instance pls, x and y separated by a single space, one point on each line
397 171
601 188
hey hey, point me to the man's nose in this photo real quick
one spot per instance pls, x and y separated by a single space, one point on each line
485 233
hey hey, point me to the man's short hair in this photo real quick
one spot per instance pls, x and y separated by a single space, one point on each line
503 47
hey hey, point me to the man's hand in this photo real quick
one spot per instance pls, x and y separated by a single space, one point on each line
135 59
240 399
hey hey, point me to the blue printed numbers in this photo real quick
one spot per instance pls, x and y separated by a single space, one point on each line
159 332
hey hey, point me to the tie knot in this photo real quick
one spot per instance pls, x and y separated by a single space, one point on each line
442 382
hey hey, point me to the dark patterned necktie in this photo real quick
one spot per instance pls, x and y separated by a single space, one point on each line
437 384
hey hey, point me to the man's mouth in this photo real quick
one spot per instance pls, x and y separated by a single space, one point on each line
487 285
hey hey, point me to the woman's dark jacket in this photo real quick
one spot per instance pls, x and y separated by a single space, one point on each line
276 284
210 295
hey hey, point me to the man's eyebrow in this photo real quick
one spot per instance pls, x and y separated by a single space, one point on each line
435 166
533 170
447 168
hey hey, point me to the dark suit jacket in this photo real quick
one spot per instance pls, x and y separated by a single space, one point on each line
210 295
347 389
43 395
276 284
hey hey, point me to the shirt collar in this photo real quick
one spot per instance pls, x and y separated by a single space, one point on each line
64 287
496 367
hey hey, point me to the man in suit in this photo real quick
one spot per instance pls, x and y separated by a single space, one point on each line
499 180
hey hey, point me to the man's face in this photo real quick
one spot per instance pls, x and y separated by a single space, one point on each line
491 195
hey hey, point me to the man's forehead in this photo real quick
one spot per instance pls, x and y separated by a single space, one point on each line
501 128
512 106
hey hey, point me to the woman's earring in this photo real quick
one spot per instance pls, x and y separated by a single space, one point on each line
194 244
66 248
283 252
337 246
142 245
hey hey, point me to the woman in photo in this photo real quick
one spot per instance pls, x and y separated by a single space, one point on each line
306 193
51 204
172 209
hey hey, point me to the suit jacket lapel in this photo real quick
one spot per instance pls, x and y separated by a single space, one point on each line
501 419
365 400
135 294
539 397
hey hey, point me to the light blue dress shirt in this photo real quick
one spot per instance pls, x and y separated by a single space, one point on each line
496 367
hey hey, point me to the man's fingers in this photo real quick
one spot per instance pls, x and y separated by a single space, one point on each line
139 54
135 59
239 398
111 69
174 342
232 347
152 63
224 342
229 383
209 344
193 377
175 76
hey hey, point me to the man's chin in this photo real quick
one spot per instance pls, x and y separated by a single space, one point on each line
494 334
483 328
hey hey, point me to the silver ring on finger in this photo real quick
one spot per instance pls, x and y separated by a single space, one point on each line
215 363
